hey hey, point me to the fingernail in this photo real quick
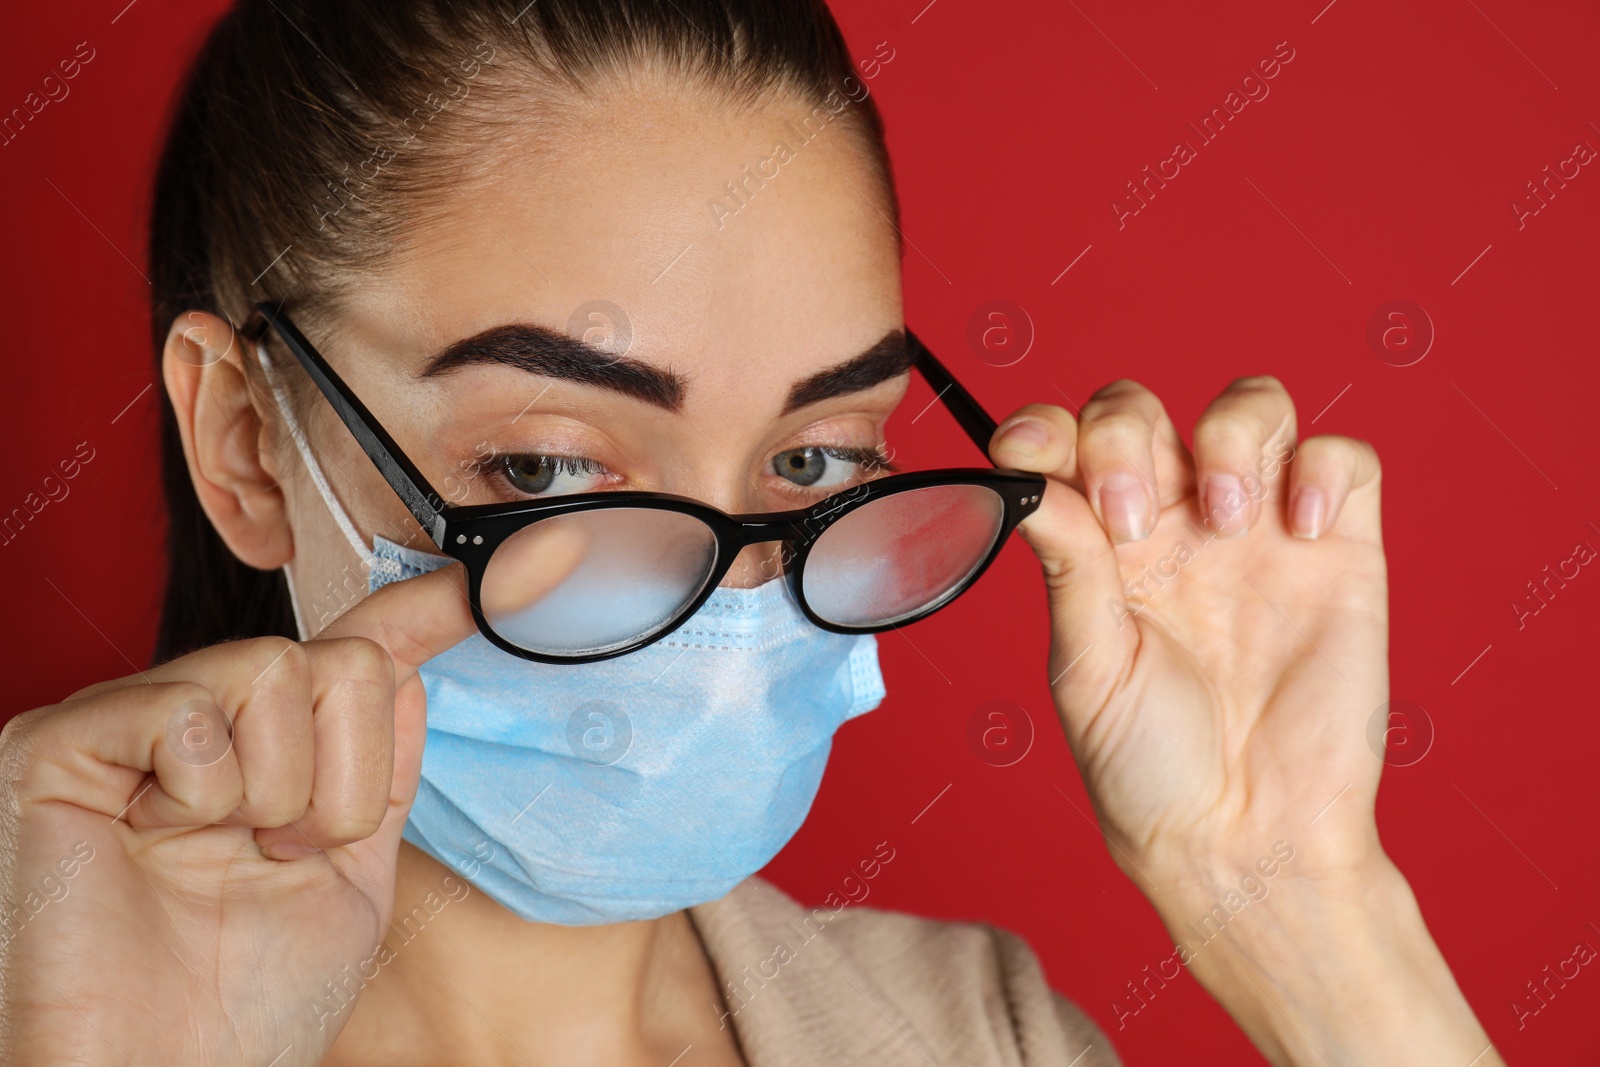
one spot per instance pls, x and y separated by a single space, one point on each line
285 851
1028 436
1310 508
1227 510
1124 507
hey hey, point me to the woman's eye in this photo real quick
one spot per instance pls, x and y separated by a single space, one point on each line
550 475
823 467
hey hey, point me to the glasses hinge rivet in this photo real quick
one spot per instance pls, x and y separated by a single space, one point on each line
461 539
478 540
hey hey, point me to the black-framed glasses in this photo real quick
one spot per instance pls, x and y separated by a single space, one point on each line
876 556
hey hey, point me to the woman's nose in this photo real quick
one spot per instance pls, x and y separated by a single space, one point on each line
757 564
734 492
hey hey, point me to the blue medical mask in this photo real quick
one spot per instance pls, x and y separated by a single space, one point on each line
632 787
636 786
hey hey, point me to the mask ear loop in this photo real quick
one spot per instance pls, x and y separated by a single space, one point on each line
324 490
294 605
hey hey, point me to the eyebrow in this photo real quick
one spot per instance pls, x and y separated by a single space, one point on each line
889 358
552 354
541 350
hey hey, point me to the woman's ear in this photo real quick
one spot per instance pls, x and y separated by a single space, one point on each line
203 369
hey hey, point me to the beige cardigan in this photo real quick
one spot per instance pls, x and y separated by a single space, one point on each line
863 986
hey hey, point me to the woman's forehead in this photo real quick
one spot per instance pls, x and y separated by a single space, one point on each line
668 234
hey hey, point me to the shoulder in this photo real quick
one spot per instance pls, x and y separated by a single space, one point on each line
906 987
968 975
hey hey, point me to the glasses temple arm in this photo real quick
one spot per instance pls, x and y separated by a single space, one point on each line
967 411
420 498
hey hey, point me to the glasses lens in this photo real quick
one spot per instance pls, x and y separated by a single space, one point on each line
901 554
641 568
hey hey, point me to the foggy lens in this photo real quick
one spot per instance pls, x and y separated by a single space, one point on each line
642 567
901 554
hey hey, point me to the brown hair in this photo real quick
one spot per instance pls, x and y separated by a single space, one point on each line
307 129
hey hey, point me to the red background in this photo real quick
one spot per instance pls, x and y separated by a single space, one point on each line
1394 141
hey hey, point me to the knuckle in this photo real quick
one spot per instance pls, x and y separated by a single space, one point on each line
350 824
1123 395
1258 383
1223 424
212 804
278 659
1365 451
1353 452
182 692
15 732
1330 443
96 689
203 800
1340 445
356 659
1121 389
288 652
403 641
17 749
178 694
1120 423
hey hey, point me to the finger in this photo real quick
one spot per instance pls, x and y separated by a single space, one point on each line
263 685
1042 438
1091 636
1116 457
1238 440
155 755
1326 471
1089 643
419 618
411 622
352 693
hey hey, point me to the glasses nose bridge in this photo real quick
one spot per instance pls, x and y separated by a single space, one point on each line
746 567
761 531
794 535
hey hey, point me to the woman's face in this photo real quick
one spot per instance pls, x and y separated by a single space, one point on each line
622 225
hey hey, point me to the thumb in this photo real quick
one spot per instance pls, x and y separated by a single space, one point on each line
1093 636
419 618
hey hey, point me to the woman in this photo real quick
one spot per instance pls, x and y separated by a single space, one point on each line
427 273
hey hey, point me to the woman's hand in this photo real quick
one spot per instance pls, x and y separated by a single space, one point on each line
183 889
1219 646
